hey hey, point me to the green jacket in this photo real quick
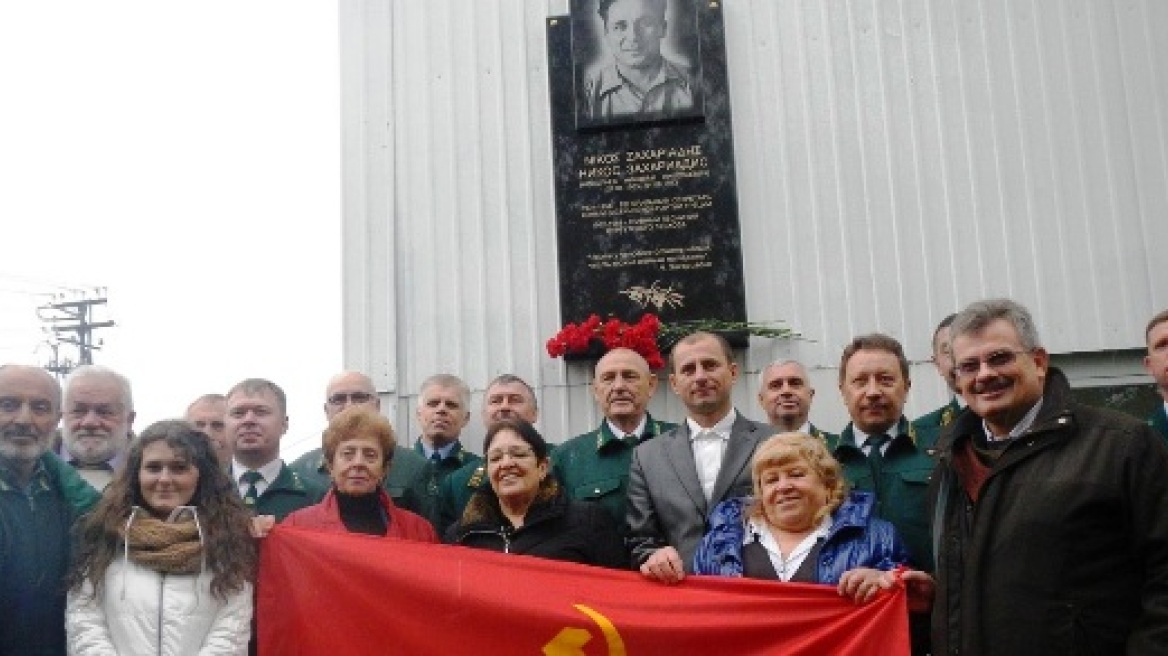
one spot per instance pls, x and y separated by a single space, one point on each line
80 495
406 482
939 418
595 466
289 492
903 489
435 473
1159 421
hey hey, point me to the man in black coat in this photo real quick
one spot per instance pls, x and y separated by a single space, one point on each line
1050 516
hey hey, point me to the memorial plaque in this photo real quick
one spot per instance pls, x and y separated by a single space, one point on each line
647 213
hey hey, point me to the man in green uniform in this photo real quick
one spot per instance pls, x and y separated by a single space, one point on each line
443 411
406 481
507 395
881 452
943 360
785 394
595 466
257 417
1156 362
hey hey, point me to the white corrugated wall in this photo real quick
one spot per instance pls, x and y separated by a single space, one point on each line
895 159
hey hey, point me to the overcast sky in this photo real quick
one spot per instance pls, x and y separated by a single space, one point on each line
186 157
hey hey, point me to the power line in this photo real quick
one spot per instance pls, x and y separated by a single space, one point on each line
71 322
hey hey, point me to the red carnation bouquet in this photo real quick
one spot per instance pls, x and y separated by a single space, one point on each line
613 333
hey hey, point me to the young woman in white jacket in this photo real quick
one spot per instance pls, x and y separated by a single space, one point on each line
165 562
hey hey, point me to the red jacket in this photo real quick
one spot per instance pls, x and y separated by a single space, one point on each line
326 516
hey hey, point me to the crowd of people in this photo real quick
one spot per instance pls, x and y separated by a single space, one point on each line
1018 520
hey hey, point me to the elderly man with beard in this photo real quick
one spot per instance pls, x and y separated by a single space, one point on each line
40 497
595 466
98 416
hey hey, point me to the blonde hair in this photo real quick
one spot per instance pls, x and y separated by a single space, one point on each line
785 448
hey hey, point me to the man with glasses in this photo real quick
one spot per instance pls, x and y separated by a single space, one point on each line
257 418
943 360
406 481
1051 519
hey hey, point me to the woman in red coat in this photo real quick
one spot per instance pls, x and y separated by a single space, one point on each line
358 452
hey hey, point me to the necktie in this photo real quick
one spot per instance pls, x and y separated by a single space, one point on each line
250 477
630 439
436 458
876 455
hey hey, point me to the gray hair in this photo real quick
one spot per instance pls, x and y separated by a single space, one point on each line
780 363
446 381
96 371
976 316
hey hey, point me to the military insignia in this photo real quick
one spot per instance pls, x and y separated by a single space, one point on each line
947 416
476 479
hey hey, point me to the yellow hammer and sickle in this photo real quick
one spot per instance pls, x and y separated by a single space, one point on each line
570 641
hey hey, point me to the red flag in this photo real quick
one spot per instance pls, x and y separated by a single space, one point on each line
332 593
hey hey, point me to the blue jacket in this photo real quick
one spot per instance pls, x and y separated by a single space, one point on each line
855 539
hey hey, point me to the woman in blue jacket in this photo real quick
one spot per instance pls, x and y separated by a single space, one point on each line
802 525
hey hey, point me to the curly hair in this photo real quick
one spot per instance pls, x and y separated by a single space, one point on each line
228 547
785 448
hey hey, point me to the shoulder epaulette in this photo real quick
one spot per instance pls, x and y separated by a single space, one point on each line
476 479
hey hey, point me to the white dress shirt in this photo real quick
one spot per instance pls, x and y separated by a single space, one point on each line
709 445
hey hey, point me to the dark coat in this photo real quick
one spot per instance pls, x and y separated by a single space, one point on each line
554 527
856 539
1066 549
35 532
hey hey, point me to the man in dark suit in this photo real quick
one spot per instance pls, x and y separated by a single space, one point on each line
676 479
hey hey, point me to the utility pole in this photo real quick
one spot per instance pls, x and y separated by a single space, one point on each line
72 322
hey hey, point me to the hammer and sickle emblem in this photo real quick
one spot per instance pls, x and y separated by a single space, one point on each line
570 641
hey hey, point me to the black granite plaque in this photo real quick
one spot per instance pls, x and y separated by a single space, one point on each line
647 216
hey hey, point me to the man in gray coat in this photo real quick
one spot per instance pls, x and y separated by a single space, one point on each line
676 479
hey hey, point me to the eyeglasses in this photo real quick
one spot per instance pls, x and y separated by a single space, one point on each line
356 398
995 361
516 453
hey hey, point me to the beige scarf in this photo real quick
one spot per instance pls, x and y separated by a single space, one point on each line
166 547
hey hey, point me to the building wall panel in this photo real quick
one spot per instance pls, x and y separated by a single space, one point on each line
896 159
